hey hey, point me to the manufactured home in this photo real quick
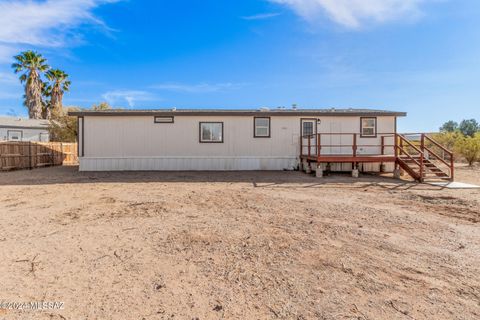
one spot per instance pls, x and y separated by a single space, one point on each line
280 139
21 129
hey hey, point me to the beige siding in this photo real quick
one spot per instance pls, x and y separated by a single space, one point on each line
140 136
137 143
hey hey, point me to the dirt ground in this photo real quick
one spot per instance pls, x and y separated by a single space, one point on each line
240 245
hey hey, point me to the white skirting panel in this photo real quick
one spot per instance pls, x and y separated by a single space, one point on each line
187 163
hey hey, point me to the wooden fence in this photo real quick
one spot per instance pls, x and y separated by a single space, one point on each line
29 155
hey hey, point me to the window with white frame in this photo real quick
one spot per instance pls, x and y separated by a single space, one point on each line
262 127
211 132
368 127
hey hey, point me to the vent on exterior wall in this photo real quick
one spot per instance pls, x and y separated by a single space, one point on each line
158 119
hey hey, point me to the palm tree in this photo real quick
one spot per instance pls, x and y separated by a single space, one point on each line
59 84
32 64
46 109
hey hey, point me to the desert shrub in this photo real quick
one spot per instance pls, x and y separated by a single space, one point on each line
63 128
469 148
448 139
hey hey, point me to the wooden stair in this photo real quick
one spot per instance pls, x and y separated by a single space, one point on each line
421 163
431 171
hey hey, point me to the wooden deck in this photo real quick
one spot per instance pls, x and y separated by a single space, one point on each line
417 153
349 158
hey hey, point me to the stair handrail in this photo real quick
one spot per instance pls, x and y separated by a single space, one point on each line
450 153
437 156
405 152
451 166
409 143
399 147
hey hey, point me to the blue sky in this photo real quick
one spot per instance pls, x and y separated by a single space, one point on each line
418 56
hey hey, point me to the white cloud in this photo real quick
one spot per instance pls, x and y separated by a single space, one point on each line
354 13
48 23
128 96
8 78
262 16
7 52
195 88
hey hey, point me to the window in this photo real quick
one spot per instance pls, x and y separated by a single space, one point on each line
211 132
163 119
368 127
308 127
262 127
14 135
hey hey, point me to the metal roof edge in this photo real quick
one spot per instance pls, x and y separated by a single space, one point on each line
219 112
24 127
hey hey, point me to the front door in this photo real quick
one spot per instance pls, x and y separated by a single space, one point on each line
308 129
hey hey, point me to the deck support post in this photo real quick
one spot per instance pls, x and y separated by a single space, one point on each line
382 167
319 171
306 166
397 173
355 173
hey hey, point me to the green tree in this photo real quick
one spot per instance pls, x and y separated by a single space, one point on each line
469 127
31 65
469 148
449 126
59 84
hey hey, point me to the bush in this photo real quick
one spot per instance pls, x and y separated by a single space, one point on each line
469 148
448 139
63 128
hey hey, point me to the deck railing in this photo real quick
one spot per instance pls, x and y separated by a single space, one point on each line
417 153
424 153
314 145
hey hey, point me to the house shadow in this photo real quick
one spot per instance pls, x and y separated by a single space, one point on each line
256 179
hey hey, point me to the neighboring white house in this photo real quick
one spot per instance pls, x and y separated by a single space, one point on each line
21 129
228 139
